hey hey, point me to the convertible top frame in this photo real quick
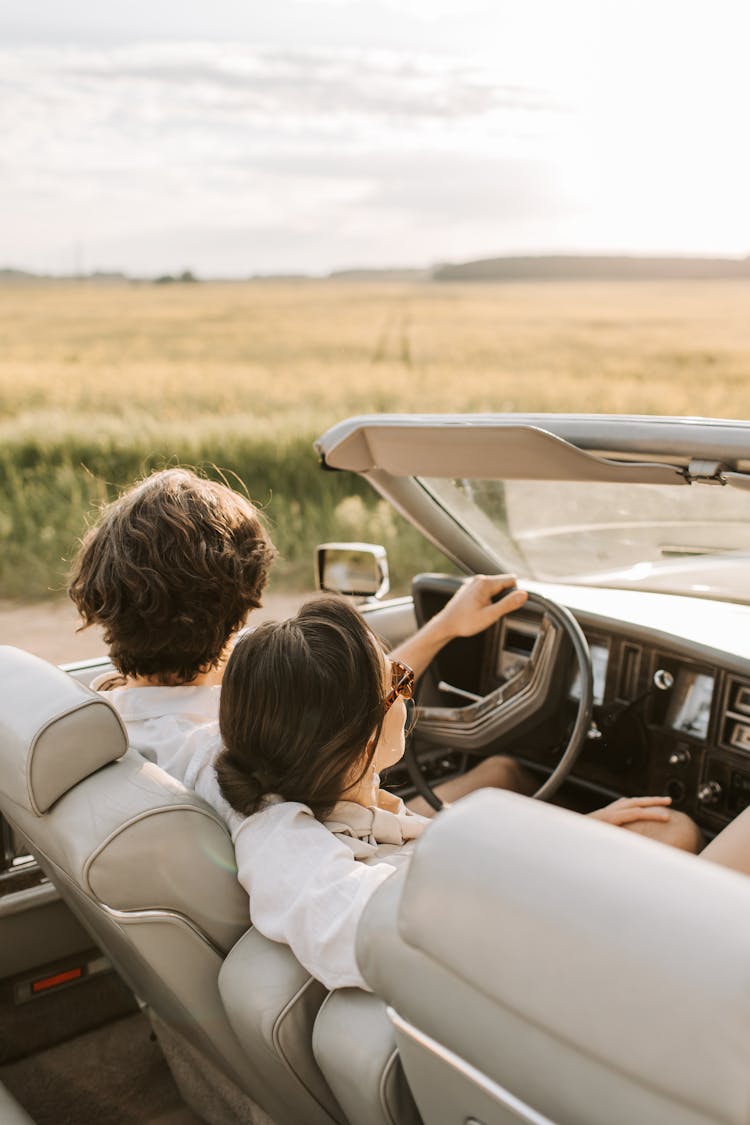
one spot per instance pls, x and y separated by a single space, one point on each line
635 449
393 450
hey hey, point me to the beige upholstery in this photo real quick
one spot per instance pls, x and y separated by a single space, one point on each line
48 747
11 1112
543 966
289 996
149 869
355 1045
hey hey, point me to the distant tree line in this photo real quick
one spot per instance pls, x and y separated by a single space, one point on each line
594 268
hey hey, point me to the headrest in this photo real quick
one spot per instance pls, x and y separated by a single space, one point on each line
53 731
629 951
545 878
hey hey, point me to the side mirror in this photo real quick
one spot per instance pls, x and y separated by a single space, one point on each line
359 570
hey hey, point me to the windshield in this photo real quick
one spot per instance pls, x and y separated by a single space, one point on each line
692 539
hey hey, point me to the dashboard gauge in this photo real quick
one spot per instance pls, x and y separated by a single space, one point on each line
690 704
740 736
742 699
599 662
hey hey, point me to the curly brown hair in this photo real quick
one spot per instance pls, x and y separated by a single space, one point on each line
301 709
170 571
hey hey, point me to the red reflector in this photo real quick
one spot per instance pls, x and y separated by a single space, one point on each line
54 981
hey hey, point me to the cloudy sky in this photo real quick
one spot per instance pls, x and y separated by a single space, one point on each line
236 137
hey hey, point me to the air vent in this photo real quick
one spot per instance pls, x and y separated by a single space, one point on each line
630 668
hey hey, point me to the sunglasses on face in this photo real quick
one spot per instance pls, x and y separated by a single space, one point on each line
402 683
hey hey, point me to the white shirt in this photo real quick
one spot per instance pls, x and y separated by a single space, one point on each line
178 729
308 889
307 884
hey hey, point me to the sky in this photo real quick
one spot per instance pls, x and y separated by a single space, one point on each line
235 138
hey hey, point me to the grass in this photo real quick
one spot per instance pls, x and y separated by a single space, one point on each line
99 383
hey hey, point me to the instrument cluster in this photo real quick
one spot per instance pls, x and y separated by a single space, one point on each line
668 717
663 723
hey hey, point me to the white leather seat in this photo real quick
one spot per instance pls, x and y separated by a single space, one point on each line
149 870
355 1046
543 967
11 1113
288 999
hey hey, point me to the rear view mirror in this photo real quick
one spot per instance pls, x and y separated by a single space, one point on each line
359 570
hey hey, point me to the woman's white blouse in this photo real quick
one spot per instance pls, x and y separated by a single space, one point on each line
307 883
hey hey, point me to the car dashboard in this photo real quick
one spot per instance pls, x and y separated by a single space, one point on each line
671 713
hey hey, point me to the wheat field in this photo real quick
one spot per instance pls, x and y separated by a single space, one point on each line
101 382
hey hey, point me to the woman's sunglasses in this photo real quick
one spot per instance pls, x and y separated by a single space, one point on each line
402 683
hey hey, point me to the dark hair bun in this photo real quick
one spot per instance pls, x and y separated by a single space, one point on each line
302 704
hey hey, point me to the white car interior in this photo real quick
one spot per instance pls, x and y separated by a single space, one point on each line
581 992
11 1113
530 965
149 870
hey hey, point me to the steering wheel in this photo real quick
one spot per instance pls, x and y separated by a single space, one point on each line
498 714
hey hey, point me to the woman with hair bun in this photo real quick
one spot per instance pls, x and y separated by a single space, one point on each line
312 710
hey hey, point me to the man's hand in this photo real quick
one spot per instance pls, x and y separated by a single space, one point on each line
472 609
629 809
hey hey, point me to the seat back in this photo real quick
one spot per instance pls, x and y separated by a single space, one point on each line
541 966
11 1113
145 864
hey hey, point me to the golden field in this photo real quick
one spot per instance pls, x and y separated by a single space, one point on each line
99 382
310 352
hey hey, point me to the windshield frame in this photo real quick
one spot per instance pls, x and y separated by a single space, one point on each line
397 453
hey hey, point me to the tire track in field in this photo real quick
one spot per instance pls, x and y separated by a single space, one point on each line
393 343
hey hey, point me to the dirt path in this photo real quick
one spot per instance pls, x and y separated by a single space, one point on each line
48 628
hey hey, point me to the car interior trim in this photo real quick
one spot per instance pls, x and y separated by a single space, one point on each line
144 815
475 724
278 1023
385 1080
126 917
27 899
515 1105
641 437
524 453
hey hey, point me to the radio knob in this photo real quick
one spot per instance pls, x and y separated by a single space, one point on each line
709 793
679 758
663 680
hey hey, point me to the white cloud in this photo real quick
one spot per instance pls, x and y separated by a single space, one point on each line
509 128
109 145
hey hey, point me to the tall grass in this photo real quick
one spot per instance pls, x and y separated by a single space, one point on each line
51 488
99 384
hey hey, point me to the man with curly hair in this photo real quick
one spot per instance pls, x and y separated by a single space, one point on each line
170 572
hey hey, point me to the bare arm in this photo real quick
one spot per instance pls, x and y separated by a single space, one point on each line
469 611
